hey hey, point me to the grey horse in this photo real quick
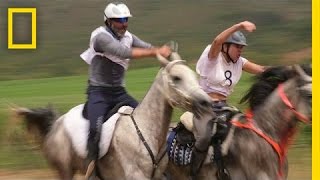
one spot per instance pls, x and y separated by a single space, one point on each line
136 147
257 144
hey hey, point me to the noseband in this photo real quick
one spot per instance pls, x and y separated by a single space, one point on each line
287 102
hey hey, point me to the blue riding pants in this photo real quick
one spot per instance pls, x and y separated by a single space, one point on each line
100 101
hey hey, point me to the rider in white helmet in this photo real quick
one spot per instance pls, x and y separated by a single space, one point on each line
110 49
118 12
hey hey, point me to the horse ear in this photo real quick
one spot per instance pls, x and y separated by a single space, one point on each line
175 56
300 72
173 45
163 61
174 48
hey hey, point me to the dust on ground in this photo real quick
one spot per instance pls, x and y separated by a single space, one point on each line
297 56
34 174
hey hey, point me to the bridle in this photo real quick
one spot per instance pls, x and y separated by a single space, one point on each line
169 86
288 103
282 146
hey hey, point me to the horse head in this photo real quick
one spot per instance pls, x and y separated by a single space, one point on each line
257 143
290 84
296 92
180 86
303 80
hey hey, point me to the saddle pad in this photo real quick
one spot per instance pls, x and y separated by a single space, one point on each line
179 154
187 120
77 127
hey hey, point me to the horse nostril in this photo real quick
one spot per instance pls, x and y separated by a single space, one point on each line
201 104
204 104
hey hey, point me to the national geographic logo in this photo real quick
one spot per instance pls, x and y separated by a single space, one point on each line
14 27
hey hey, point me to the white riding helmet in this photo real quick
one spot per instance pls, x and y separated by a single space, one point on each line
116 10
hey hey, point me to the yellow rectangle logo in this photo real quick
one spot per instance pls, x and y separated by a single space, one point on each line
33 44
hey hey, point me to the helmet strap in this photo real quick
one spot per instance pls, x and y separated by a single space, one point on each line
227 53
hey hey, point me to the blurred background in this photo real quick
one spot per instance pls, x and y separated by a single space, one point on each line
54 73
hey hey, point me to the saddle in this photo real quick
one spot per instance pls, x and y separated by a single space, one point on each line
181 140
77 128
110 113
222 123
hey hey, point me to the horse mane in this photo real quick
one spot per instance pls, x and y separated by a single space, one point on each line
266 82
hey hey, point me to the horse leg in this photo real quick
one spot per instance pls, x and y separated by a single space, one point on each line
203 130
64 169
58 152
65 174
137 174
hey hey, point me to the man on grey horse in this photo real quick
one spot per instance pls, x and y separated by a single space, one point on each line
110 49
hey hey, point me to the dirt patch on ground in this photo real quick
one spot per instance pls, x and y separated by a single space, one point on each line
297 56
39 174
296 173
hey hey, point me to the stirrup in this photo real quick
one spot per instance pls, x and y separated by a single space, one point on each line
90 169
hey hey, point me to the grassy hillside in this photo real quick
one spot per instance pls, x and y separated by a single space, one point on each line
65 92
64 27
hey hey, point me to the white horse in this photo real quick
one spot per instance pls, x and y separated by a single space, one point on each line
136 146
256 146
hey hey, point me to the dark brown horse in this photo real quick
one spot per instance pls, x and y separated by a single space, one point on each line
256 146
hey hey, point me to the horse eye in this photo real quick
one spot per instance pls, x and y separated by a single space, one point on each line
306 94
176 79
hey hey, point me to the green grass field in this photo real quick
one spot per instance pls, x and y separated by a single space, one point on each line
65 92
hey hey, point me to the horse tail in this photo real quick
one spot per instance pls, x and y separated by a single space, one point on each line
38 120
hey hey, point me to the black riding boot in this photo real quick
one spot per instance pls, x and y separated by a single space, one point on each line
197 160
91 160
93 154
